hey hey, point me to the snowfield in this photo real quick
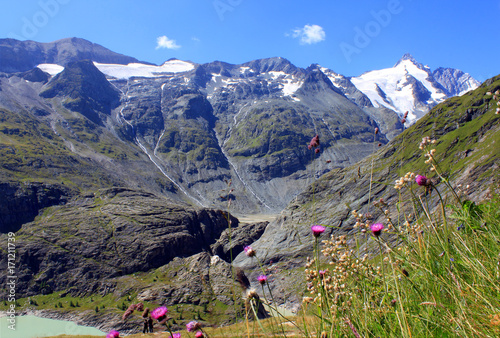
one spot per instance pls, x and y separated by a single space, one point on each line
130 70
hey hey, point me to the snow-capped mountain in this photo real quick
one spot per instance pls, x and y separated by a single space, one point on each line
454 81
412 87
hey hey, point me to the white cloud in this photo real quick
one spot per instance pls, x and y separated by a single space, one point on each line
164 42
309 34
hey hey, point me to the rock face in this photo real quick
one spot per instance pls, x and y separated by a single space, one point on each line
248 124
454 81
84 89
236 239
112 233
21 204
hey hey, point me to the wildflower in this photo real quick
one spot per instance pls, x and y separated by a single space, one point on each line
497 111
176 335
353 329
425 141
377 229
403 121
249 251
317 230
314 142
199 334
262 279
251 293
317 150
376 131
422 180
192 326
495 320
159 313
322 273
127 313
113 334
405 115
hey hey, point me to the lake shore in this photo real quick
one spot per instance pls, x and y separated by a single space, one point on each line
100 321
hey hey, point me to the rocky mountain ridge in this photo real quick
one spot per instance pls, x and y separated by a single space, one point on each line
196 127
22 56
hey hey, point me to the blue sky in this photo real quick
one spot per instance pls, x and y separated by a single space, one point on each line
349 37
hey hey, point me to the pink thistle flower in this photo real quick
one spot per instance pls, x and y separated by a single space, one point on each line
317 230
314 142
159 313
192 326
199 334
377 229
262 279
113 334
422 180
127 314
322 273
249 251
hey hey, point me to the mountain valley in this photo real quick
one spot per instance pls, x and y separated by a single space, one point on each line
122 178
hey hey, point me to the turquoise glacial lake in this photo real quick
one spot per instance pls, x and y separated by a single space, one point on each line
33 327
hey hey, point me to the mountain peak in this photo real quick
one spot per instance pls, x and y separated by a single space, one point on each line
21 56
89 91
408 57
271 64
